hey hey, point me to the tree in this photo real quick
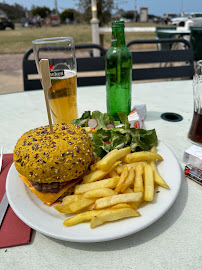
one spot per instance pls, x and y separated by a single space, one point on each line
129 15
104 9
14 12
43 12
70 14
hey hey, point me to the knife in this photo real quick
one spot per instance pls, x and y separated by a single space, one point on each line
3 208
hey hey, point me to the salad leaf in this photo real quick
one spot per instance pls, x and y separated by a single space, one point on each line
100 147
124 119
118 140
106 139
83 120
104 134
100 119
108 119
143 140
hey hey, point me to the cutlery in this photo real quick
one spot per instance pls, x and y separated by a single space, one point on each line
4 202
1 158
3 208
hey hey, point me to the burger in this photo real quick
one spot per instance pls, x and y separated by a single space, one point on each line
50 164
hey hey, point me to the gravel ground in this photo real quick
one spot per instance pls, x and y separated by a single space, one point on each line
11 62
11 73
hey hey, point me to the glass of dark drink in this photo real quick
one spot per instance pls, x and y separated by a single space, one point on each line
195 132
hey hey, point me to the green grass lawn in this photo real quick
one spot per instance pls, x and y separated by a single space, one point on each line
20 39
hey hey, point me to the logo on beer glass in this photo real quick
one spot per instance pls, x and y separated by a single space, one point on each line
58 70
57 73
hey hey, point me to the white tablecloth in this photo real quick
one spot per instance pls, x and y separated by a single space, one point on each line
173 242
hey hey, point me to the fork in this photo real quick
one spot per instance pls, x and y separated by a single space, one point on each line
4 202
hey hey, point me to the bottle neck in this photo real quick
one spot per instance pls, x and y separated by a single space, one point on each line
118 37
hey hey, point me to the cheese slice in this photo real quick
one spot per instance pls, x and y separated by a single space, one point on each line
48 198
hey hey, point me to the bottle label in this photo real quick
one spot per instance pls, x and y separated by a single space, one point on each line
113 39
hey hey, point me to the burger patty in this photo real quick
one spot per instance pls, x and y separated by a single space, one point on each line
53 187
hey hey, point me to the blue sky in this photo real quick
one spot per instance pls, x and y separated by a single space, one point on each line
156 7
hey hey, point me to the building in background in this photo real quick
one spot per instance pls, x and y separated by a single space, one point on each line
143 14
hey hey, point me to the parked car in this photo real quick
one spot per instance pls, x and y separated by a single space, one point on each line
5 22
180 21
196 19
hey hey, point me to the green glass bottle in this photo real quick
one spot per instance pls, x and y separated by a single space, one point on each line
118 66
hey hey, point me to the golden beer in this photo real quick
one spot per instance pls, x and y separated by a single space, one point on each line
63 98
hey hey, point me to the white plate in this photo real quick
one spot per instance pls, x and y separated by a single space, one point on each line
48 221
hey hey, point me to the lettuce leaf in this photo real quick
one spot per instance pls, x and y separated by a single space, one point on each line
105 140
143 140
83 120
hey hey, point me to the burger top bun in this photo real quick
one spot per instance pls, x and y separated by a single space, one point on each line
59 157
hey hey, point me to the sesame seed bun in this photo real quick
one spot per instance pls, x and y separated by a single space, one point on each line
59 157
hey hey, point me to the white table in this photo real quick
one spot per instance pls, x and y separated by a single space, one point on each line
173 242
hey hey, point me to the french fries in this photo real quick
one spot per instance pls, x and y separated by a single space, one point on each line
113 173
106 163
82 217
98 199
129 180
115 199
106 183
142 156
153 149
95 166
81 204
99 192
99 174
122 179
148 183
121 205
112 215
157 178
138 184
70 199
119 169
135 205
64 207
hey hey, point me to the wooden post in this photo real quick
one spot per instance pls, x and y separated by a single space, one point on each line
95 27
46 82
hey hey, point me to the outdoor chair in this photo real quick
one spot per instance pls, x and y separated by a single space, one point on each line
181 61
85 65
160 35
196 41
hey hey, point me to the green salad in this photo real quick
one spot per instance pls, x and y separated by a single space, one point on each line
110 134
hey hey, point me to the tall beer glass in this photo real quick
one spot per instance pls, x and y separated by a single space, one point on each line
60 51
195 132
